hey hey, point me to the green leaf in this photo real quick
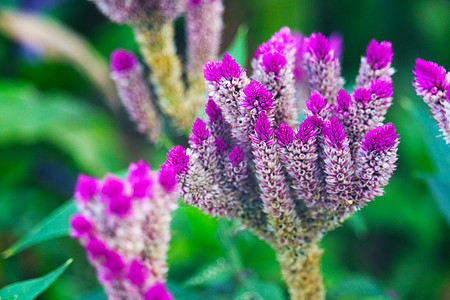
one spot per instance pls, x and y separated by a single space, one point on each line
238 48
30 289
357 288
213 273
440 188
79 129
55 225
259 290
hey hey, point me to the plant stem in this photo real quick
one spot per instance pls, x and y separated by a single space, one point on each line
300 270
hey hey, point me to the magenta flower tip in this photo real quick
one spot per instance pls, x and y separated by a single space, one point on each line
335 41
379 55
212 70
167 178
158 292
343 100
333 132
236 155
178 159
96 248
122 60
430 77
114 262
316 102
230 68
308 128
138 170
382 87
285 134
380 138
220 144
273 62
120 205
213 111
256 96
262 127
362 95
81 226
199 132
86 188
319 46
137 273
112 186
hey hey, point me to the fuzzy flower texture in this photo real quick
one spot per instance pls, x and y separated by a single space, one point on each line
124 226
432 83
289 182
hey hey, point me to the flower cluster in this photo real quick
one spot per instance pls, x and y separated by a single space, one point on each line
290 183
152 21
432 83
124 226
128 76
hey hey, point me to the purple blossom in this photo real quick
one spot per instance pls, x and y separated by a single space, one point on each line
285 134
273 62
308 128
236 155
319 46
125 228
433 85
158 292
230 68
362 95
86 188
257 97
343 101
212 70
379 55
335 42
382 88
380 138
178 159
263 127
220 145
128 76
199 133
213 111
333 133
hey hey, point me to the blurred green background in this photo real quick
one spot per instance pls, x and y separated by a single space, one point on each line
55 124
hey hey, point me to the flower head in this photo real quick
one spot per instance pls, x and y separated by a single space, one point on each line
379 55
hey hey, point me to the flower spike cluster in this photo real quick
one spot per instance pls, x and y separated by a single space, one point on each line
289 183
432 83
124 226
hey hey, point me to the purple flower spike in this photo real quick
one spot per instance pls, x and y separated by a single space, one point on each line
120 205
178 159
333 132
430 77
137 273
158 292
87 187
380 138
81 226
318 44
122 60
308 128
285 134
167 178
213 111
139 170
230 68
236 155
362 95
256 96
273 62
316 102
213 71
199 134
343 100
379 55
382 87
112 187
262 127
376 64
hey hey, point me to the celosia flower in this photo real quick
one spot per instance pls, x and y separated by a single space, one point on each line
376 64
310 177
128 76
124 226
433 85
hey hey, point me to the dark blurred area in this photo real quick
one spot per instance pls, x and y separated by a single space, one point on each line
55 124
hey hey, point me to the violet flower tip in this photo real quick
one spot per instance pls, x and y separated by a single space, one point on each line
122 60
380 138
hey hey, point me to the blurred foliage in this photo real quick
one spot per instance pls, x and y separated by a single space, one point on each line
54 124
